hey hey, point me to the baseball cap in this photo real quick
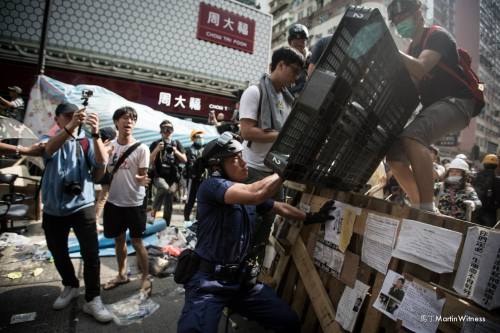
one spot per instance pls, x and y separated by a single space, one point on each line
16 89
66 108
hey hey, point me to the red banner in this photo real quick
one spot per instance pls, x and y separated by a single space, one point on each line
225 28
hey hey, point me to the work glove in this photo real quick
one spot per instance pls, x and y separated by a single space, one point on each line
323 215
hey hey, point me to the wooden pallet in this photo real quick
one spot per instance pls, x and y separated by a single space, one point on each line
314 294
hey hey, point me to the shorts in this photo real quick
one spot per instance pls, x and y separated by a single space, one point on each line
116 220
445 116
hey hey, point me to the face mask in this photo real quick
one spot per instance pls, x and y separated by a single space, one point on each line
198 142
453 179
406 28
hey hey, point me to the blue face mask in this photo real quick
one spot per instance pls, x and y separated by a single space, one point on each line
406 28
198 142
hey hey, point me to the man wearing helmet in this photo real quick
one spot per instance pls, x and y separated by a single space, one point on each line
224 276
298 35
487 186
448 105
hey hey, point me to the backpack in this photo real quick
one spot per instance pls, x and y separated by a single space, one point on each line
471 81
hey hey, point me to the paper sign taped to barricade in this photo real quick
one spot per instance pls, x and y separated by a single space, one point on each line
420 309
391 294
350 304
338 230
378 241
478 274
328 259
473 323
429 246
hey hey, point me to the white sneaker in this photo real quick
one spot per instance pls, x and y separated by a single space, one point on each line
96 309
65 298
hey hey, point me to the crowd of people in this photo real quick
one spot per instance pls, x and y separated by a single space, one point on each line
236 195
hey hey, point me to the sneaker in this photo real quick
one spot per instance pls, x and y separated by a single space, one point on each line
65 298
96 309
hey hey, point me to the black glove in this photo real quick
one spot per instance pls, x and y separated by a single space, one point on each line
323 215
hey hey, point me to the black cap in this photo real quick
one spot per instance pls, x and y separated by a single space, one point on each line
107 133
16 89
66 108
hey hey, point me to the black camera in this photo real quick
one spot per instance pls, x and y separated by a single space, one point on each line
169 149
86 94
73 188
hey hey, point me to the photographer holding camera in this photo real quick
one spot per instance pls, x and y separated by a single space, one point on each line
166 157
68 198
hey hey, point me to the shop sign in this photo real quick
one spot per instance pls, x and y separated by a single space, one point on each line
225 28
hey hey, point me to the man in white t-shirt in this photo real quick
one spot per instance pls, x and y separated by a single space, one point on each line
125 209
264 109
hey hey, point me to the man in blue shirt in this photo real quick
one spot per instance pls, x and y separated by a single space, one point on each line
68 198
225 276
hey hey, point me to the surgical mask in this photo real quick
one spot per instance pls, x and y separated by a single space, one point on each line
453 179
406 28
198 142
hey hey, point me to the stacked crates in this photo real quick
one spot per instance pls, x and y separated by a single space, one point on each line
351 110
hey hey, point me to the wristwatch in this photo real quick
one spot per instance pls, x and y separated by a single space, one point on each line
96 135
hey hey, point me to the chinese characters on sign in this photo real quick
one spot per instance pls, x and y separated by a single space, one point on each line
188 103
225 28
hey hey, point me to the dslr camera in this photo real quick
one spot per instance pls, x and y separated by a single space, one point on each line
72 188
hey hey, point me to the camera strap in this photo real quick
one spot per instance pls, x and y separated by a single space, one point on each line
123 157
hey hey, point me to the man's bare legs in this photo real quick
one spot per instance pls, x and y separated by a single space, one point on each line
121 256
417 182
142 260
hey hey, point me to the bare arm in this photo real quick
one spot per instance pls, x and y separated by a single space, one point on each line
421 66
253 194
250 132
288 211
34 150
155 152
180 155
56 142
5 102
100 151
310 69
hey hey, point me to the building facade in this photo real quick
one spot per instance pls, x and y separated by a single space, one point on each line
203 49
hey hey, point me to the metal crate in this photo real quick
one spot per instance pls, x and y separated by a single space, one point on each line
351 110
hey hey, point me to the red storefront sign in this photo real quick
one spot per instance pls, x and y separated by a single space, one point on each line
225 28
175 101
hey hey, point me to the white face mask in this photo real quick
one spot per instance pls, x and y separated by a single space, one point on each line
453 179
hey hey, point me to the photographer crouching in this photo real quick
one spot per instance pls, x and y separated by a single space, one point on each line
220 271
68 198
166 157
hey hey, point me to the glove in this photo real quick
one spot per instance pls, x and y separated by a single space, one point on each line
471 204
323 215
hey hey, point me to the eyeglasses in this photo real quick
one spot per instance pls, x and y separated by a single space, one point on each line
167 129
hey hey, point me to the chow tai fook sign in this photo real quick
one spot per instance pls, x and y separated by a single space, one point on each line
191 104
225 28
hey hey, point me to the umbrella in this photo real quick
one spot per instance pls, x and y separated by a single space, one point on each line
13 129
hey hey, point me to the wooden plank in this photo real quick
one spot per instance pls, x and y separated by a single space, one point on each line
350 269
320 301
280 270
373 316
310 320
289 288
294 186
299 300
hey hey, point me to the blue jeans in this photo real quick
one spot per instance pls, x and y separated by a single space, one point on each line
205 299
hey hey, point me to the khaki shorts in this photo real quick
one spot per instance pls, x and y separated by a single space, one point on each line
445 116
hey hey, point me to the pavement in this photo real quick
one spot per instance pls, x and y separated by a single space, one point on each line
37 293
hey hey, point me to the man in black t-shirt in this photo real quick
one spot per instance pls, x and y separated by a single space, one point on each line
166 155
448 105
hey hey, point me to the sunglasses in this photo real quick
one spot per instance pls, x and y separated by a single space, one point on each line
167 129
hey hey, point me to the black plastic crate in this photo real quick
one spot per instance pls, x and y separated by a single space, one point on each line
355 104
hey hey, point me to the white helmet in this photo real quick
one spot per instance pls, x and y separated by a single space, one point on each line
460 164
462 157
